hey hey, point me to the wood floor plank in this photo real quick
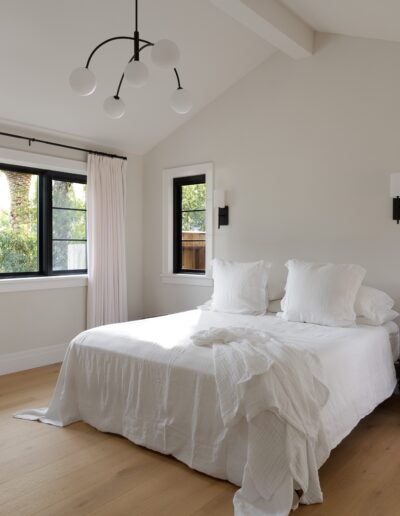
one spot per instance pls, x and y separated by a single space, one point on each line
79 471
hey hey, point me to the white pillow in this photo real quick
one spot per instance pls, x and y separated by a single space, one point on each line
374 305
321 293
240 288
390 315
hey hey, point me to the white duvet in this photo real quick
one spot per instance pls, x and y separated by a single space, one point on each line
275 388
147 381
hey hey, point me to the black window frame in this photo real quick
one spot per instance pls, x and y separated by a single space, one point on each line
45 220
178 182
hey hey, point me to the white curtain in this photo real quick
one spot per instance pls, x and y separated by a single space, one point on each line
107 291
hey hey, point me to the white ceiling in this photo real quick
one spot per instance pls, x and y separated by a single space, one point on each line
376 19
42 41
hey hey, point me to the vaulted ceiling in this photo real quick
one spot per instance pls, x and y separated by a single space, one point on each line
42 41
220 42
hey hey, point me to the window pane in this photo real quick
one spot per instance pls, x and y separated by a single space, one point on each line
190 224
193 252
194 221
69 224
194 196
193 240
69 195
18 222
68 256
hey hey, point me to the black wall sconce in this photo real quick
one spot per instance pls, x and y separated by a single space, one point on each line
396 209
395 193
223 210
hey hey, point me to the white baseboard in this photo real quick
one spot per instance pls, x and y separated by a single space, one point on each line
38 357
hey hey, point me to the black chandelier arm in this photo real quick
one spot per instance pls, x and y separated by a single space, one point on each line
131 38
123 76
146 44
105 43
178 79
116 96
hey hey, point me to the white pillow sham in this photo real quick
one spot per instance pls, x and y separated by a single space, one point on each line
321 293
374 305
390 315
240 288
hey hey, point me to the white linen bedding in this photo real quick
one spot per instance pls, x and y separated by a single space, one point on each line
394 337
276 389
147 381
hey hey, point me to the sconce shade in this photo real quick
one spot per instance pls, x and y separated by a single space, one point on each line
219 199
394 185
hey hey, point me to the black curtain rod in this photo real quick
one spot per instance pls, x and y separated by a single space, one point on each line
46 142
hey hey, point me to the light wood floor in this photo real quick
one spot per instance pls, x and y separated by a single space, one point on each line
77 471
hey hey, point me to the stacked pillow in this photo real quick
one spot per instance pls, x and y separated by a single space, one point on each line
321 293
332 295
374 307
240 288
317 293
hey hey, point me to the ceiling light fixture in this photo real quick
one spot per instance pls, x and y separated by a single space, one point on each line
164 53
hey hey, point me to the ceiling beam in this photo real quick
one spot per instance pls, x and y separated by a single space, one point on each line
274 22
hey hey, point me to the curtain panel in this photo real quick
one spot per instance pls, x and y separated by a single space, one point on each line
106 209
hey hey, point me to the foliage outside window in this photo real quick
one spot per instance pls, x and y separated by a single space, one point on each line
190 224
42 222
18 222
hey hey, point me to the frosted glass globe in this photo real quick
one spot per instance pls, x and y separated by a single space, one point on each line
165 53
181 101
114 107
83 81
136 73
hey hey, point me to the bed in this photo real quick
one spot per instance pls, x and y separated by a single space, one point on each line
147 381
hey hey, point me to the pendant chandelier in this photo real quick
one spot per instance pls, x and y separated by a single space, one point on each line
164 53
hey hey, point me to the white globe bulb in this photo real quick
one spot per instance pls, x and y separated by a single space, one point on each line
165 53
181 101
136 73
114 107
83 81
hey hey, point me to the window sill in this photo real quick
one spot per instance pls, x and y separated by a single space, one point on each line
199 280
42 283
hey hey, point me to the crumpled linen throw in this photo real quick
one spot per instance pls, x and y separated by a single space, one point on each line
277 389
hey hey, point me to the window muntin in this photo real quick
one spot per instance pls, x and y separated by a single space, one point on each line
190 224
48 224
68 226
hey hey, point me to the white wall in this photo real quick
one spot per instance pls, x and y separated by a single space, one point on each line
40 318
134 233
34 321
304 149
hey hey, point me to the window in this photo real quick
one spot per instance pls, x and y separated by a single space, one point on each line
190 224
187 224
42 222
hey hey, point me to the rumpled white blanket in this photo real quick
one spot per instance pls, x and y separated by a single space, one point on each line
277 390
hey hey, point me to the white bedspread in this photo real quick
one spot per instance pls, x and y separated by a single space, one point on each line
147 381
276 389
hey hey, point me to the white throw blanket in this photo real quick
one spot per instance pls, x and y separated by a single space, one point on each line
276 389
